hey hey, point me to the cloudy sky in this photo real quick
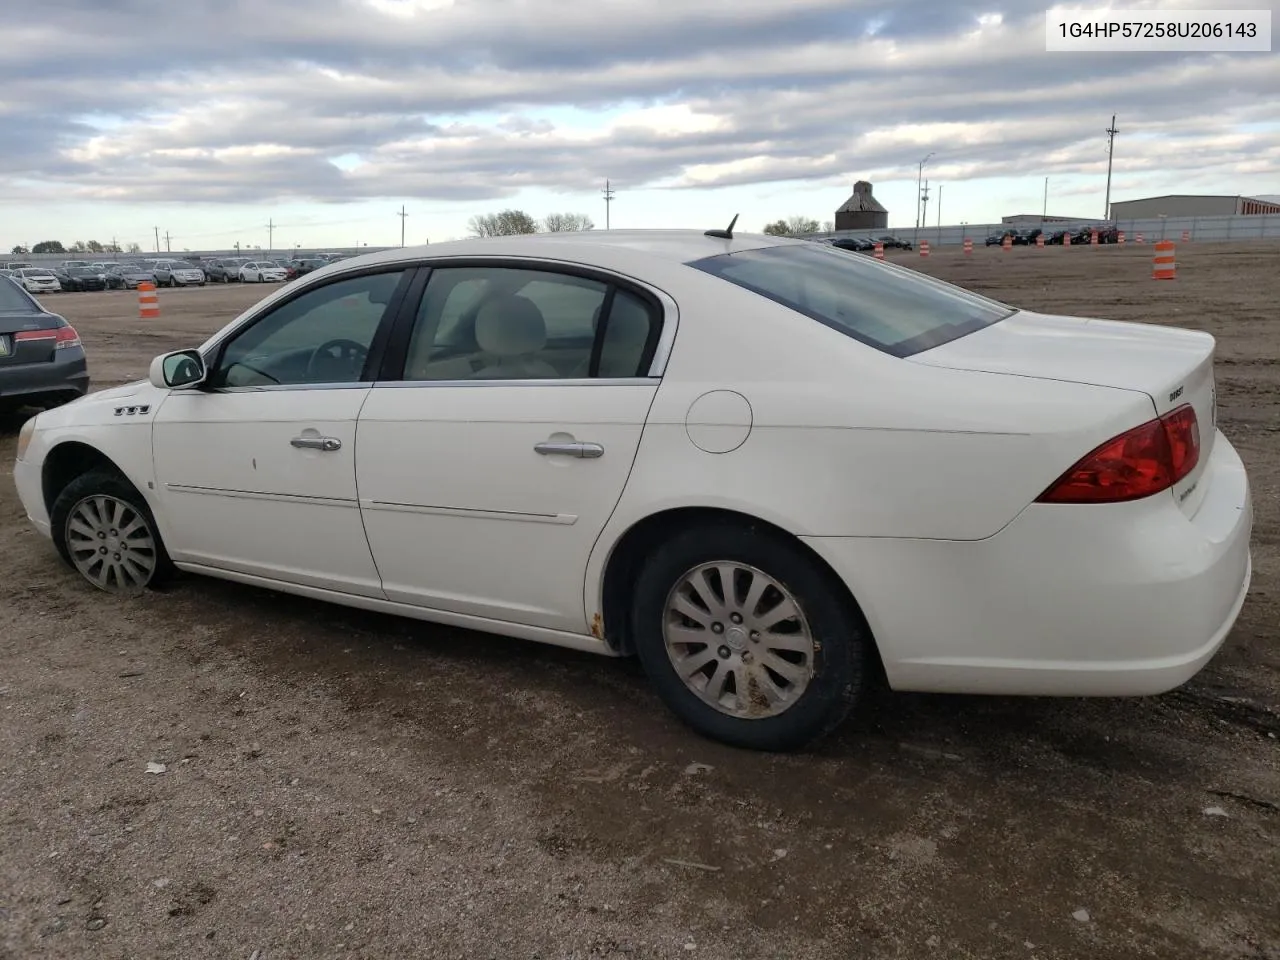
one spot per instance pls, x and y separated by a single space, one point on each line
207 120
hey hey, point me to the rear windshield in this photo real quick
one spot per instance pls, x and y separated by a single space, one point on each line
13 299
891 308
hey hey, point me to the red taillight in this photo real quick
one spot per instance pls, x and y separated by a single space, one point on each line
1136 464
64 336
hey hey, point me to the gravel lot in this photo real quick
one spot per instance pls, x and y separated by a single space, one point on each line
342 785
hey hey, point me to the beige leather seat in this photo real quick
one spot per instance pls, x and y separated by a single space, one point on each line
510 331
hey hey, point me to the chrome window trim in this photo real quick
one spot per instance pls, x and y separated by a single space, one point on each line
670 317
536 382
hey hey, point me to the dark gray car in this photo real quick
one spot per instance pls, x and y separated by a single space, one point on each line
42 361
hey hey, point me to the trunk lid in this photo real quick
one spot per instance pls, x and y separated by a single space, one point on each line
1170 365
18 346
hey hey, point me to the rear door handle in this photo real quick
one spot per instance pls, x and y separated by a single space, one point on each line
328 444
556 448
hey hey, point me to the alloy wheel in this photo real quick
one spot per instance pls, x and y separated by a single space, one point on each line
111 544
738 639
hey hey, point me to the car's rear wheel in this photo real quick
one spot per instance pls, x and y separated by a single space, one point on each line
747 638
104 529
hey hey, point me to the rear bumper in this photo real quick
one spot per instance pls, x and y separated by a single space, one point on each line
1097 600
65 376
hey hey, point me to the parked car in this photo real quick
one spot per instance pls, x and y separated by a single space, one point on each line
42 361
127 276
225 269
178 273
37 280
857 244
305 265
263 271
767 467
891 242
80 279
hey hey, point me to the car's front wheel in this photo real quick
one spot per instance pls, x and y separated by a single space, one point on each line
103 528
747 638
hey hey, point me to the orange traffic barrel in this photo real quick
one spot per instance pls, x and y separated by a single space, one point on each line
1040 240
148 301
968 246
879 251
1119 236
924 248
1008 242
1163 266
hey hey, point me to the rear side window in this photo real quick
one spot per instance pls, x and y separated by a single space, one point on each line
13 299
891 308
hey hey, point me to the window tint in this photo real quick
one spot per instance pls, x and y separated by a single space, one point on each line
322 336
888 307
505 324
13 299
629 329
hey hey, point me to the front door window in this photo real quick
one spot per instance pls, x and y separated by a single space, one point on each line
322 336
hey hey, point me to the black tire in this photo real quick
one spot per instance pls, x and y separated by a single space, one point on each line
842 640
101 482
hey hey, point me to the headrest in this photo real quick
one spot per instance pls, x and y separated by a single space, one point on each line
509 326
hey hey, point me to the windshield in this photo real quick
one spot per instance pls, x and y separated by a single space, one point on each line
182 265
13 299
891 308
37 273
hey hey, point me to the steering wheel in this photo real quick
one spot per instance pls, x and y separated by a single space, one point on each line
338 359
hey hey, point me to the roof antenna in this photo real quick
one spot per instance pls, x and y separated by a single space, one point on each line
726 234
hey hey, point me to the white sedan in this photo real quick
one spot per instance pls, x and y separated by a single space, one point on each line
259 271
769 468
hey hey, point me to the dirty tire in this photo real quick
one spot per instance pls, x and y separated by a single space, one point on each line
843 642
110 484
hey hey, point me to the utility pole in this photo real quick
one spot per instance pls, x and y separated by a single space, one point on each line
1044 211
157 229
919 174
608 199
924 199
1111 148
402 215
939 206
271 239
167 247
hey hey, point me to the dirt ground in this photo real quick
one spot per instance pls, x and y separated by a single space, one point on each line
343 785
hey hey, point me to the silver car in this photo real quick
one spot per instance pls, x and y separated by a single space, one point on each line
179 273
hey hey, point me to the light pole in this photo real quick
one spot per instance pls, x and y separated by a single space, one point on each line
919 179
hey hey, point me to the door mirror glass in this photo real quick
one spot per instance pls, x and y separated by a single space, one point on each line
181 369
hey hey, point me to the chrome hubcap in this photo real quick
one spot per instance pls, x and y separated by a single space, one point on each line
111 544
738 639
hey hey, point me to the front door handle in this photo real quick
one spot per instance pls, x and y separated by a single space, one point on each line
556 448
328 444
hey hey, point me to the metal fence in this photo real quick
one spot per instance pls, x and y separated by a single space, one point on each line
1199 229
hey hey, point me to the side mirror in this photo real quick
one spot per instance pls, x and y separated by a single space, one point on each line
185 368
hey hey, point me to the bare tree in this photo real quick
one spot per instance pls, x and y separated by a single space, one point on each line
567 222
504 224
794 226
828 226
135 248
